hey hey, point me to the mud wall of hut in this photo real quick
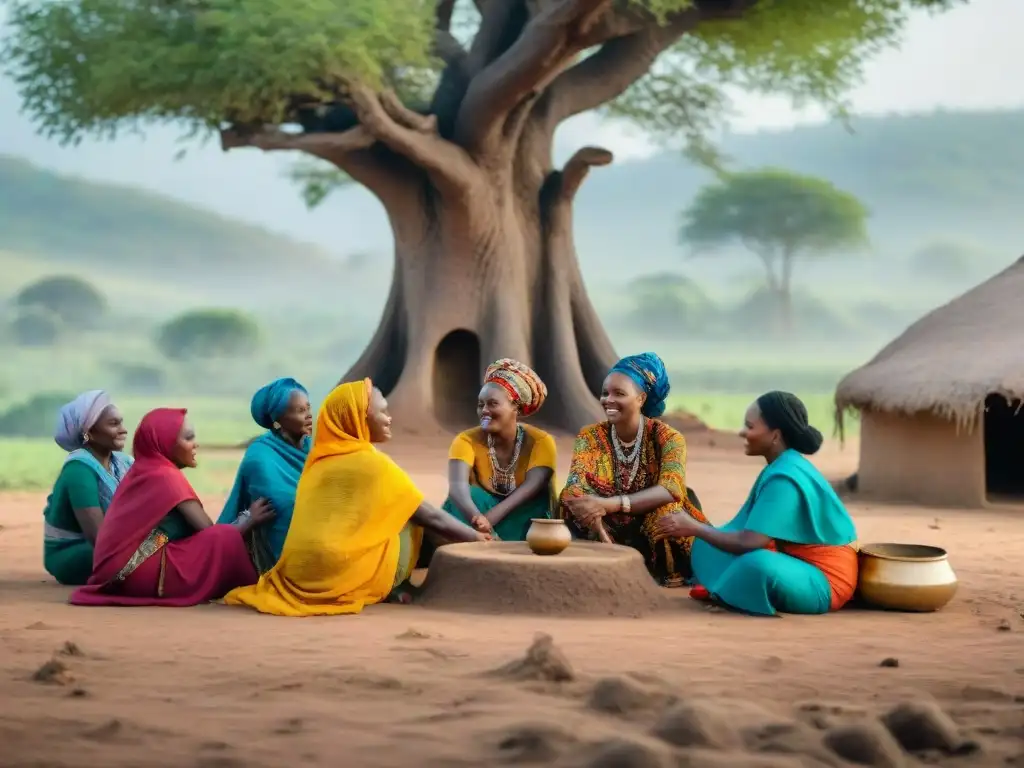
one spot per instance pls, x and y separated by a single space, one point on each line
921 459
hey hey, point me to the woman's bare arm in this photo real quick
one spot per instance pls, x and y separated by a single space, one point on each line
89 520
443 524
458 488
194 514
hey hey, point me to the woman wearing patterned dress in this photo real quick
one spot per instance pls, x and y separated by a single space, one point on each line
501 473
630 471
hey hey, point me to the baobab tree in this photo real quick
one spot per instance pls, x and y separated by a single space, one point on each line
454 137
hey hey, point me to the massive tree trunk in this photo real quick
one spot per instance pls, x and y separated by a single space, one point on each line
482 277
485 264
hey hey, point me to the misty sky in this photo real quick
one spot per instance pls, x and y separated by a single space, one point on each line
968 58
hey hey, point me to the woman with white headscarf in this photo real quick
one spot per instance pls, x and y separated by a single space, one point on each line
91 429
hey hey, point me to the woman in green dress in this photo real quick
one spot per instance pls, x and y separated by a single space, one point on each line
91 429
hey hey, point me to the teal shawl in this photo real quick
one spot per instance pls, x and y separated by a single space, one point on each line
820 517
120 463
270 469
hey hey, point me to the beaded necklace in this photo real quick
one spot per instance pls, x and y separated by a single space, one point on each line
503 479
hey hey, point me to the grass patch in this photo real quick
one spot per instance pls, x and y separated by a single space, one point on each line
32 464
726 410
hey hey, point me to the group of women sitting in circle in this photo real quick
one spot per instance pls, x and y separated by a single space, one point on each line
320 522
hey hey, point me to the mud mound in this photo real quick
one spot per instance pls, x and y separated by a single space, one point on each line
506 578
543 661
697 724
866 744
922 726
628 753
532 743
627 698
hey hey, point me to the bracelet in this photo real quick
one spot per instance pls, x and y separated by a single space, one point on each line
624 504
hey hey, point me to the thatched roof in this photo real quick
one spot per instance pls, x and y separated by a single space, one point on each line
951 359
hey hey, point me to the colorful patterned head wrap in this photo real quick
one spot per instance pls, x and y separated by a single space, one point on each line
523 386
648 372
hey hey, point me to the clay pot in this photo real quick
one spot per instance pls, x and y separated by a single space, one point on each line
905 577
547 537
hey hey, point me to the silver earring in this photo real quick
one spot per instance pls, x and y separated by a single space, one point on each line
276 425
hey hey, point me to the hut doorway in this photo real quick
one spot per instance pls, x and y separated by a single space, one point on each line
457 379
1004 449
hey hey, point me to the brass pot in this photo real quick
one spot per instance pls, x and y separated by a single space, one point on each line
547 537
905 577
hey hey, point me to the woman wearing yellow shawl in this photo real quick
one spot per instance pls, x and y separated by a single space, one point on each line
356 529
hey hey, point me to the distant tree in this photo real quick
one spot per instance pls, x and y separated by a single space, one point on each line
779 216
667 303
36 327
34 417
208 333
73 300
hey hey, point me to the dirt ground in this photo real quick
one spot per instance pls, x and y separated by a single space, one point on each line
405 686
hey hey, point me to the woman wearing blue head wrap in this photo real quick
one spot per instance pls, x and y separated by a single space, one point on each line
630 471
91 429
272 464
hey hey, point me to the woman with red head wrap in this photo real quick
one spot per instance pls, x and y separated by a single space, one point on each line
157 545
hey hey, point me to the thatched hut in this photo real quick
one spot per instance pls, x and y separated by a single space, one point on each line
941 416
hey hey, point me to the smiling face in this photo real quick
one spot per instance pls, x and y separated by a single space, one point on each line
758 439
184 452
108 433
297 419
495 409
378 418
621 398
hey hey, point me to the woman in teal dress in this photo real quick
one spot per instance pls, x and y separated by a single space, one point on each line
792 546
271 466
91 429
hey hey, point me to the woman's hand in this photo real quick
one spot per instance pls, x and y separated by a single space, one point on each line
261 512
587 509
678 525
482 524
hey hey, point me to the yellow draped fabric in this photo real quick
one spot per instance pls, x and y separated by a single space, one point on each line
343 547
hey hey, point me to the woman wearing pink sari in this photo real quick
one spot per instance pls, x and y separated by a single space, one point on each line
157 546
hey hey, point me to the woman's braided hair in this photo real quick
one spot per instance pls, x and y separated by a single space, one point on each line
786 412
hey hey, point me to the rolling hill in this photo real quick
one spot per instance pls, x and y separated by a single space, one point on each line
940 176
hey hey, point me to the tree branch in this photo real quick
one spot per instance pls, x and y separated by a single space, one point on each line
448 49
578 167
443 14
413 136
625 58
548 42
619 63
270 138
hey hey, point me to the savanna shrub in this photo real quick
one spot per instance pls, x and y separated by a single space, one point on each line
73 300
36 417
36 327
207 333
